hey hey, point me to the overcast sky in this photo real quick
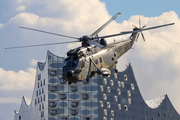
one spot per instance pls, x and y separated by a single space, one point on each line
156 62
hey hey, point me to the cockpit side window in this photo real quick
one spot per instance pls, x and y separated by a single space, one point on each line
66 62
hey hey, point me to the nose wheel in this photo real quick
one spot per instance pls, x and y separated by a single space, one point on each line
69 83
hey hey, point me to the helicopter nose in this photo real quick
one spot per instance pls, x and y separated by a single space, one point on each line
70 73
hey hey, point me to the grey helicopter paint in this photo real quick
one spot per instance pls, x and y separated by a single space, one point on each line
94 56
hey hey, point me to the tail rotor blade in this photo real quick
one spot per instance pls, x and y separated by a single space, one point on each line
139 22
137 37
143 36
144 26
134 26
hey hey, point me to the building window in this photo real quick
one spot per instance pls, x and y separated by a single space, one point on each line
105 112
119 84
122 84
132 86
74 111
129 93
53 111
42 90
39 91
74 88
38 84
44 97
74 104
129 101
109 89
112 113
101 87
112 82
87 118
38 100
44 82
35 102
104 97
125 78
126 108
39 107
62 81
101 103
53 72
19 117
105 81
104 118
115 98
52 104
62 96
87 81
42 105
41 83
118 91
64 118
39 77
108 105
159 114
41 98
53 88
42 113
85 96
119 106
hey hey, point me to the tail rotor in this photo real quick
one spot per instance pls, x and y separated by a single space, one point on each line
140 28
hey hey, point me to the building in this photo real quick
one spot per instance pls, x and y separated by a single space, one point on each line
113 98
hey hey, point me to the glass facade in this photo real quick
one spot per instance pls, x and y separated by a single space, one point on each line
116 97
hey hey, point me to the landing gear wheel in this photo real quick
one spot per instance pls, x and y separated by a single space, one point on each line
69 83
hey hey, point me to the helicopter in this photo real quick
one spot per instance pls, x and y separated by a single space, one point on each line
95 56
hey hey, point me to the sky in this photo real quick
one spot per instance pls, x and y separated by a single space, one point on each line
155 62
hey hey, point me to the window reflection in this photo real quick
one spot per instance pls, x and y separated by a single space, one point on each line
74 111
85 96
62 96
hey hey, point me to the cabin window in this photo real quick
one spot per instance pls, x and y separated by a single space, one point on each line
100 60
96 61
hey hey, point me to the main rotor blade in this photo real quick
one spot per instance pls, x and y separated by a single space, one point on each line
135 31
41 45
49 32
93 43
103 26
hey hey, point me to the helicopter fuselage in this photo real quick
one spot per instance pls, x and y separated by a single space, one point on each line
85 62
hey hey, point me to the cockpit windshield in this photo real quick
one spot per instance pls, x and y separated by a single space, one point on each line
71 62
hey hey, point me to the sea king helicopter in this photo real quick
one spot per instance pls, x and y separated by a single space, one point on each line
95 56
